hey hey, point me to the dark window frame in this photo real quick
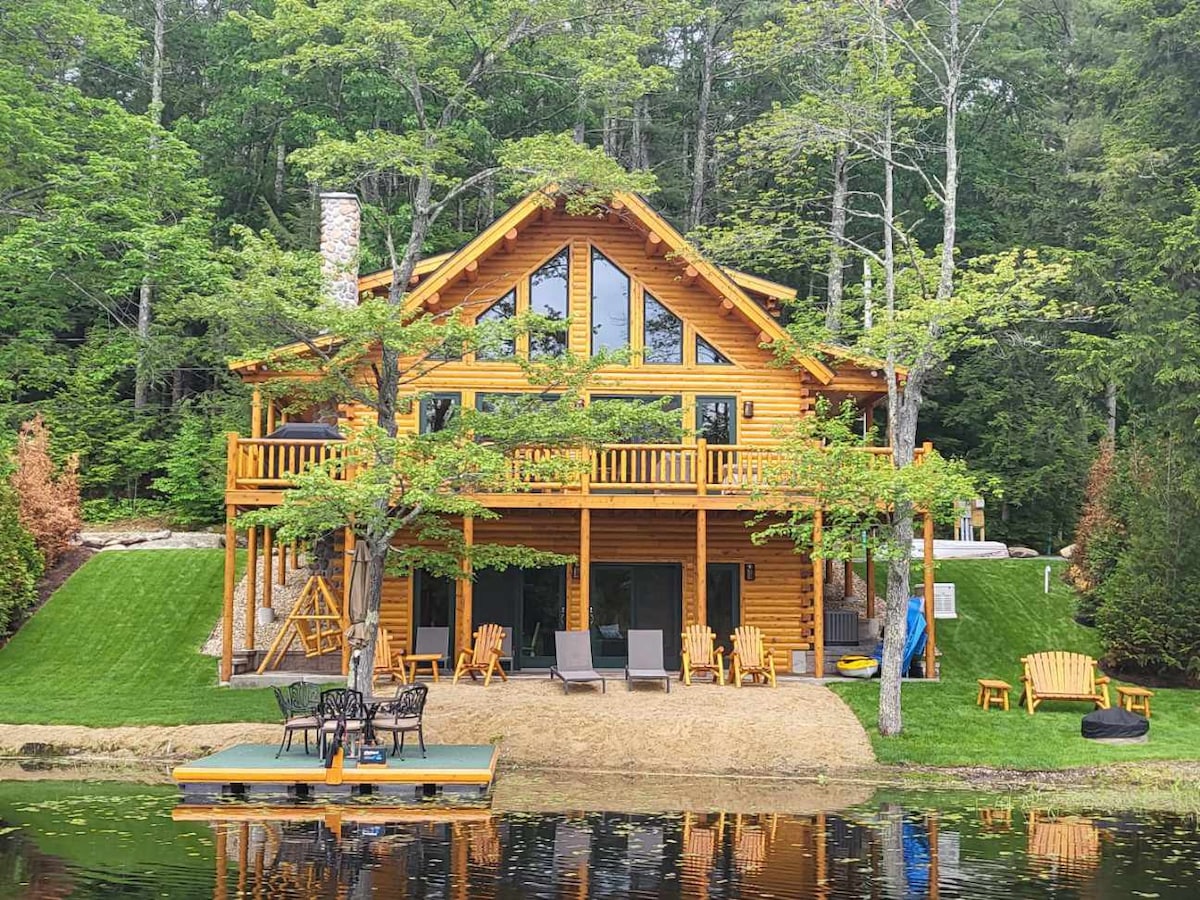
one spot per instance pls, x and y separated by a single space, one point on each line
423 406
703 399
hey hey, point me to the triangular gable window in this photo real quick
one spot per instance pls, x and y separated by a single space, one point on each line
662 333
708 355
500 311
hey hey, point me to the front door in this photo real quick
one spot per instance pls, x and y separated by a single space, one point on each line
724 601
634 595
530 604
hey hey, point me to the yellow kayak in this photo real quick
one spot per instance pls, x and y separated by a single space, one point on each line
857 666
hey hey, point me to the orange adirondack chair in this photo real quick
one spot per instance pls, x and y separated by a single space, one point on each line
751 657
1057 675
483 657
699 656
387 660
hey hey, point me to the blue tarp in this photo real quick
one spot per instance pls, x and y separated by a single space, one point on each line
914 635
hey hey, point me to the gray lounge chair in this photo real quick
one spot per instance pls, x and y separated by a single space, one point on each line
573 660
646 658
433 639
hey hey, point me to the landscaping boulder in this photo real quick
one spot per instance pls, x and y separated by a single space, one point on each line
183 540
1022 553
1067 552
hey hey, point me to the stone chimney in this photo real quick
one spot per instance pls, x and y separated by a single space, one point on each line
340 224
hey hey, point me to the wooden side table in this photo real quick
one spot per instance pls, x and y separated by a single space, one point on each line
993 692
412 660
1134 699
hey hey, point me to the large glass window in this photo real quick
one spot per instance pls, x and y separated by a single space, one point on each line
438 411
610 305
716 420
548 292
500 311
662 333
708 355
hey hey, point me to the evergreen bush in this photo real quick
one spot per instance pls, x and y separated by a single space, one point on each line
20 562
194 483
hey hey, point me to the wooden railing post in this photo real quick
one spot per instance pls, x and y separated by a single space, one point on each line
231 454
818 571
701 467
256 414
930 643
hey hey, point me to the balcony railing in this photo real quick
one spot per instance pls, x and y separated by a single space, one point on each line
266 464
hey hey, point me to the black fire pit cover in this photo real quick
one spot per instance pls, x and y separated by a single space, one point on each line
1113 723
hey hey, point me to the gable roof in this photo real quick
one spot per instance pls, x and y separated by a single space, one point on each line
438 272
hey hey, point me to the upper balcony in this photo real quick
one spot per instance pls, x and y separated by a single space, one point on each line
261 469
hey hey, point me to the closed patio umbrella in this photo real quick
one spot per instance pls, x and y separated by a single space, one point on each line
357 611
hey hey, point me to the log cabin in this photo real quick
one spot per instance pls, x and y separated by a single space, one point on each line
658 531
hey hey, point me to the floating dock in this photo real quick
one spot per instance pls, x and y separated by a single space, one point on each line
253 768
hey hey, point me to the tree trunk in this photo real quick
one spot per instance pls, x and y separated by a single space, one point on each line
950 101
280 171
639 139
579 133
895 615
700 156
141 389
387 393
1110 405
837 237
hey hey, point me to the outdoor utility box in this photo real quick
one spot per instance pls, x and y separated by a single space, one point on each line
841 627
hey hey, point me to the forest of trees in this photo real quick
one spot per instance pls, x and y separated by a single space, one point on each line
157 152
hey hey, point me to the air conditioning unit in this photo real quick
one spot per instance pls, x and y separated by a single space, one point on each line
841 627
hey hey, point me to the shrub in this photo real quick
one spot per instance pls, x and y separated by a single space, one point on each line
103 510
20 562
47 497
195 481
1099 536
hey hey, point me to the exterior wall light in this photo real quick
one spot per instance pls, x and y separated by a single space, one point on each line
575 571
748 571
747 409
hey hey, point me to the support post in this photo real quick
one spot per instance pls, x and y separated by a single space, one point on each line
347 565
466 590
282 563
930 646
268 544
701 569
251 584
848 579
227 609
256 420
270 426
295 555
221 885
870 583
585 567
818 596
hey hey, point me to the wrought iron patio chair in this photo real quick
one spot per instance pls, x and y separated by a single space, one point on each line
298 702
341 708
402 715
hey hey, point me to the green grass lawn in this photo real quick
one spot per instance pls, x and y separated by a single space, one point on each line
119 643
1003 615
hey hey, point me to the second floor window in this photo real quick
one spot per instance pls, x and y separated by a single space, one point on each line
708 355
548 297
499 312
610 305
438 411
662 334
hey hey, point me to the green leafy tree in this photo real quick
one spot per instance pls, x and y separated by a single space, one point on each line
20 560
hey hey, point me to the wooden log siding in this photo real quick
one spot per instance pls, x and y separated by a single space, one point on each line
779 394
779 600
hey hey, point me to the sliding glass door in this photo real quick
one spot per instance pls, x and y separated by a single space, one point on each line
634 595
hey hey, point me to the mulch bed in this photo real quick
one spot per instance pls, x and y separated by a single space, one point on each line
51 582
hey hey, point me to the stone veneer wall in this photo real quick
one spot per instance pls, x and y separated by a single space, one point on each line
340 221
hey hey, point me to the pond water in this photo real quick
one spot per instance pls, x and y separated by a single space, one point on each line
74 839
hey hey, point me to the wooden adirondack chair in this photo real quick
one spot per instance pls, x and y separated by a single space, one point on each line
1057 675
483 657
751 657
699 656
388 661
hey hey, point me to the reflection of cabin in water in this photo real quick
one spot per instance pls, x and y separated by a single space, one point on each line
659 529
